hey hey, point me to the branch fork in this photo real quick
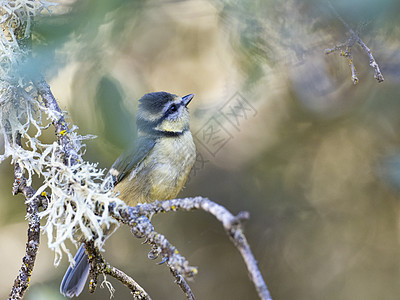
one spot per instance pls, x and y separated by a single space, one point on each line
345 50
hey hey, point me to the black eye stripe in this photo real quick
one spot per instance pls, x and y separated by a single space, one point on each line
173 108
146 124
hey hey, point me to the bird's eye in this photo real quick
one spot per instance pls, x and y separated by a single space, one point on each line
173 108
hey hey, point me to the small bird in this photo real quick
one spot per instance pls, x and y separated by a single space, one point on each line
156 169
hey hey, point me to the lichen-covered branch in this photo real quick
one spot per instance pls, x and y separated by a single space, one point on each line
141 227
16 117
346 50
136 218
21 283
70 153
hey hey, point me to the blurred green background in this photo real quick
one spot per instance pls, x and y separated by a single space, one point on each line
280 128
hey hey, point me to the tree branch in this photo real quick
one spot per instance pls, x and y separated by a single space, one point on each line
98 266
345 50
136 216
21 283
20 185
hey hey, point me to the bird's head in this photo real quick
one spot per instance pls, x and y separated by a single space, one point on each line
162 113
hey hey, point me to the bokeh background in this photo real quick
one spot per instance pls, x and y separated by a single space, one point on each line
280 128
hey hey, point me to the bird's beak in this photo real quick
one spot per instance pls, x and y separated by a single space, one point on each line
186 99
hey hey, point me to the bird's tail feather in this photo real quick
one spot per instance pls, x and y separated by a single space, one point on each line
75 278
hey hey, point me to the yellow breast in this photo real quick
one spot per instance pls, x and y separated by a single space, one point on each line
162 174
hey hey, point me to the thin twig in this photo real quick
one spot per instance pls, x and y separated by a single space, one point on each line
180 280
349 56
345 50
98 266
372 62
137 290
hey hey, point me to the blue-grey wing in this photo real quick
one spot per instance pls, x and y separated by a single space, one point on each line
130 159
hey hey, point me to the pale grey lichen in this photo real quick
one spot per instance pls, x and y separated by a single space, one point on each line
79 198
